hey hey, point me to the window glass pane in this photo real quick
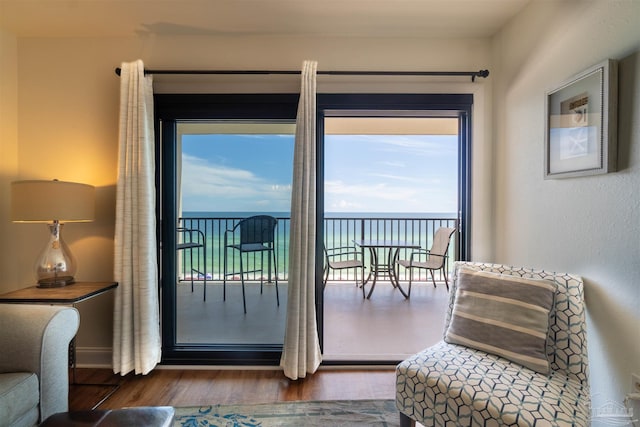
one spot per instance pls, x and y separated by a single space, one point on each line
389 184
229 171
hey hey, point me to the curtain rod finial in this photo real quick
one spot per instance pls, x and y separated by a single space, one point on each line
481 73
118 71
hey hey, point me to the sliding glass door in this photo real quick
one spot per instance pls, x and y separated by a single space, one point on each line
391 176
225 158
226 195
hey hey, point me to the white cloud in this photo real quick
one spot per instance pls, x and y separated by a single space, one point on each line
410 145
212 187
386 197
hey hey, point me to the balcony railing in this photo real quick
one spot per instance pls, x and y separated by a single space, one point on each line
337 232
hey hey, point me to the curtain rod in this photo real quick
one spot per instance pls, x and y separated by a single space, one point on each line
472 74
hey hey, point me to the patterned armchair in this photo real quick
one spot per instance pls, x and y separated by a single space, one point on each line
451 384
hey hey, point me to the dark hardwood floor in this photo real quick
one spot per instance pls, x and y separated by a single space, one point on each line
187 387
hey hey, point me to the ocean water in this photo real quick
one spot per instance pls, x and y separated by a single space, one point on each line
200 214
341 228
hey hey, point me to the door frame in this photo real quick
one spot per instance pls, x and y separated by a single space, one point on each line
171 108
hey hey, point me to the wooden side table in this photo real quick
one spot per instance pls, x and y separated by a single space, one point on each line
68 295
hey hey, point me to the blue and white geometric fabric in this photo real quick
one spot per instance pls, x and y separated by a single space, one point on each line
452 385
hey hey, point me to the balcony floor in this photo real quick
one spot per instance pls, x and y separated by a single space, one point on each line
386 327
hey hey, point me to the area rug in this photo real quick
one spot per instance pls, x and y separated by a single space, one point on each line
343 413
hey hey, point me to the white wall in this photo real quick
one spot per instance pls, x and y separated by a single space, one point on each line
8 148
67 118
588 226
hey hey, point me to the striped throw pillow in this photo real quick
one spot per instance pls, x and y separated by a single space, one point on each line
503 315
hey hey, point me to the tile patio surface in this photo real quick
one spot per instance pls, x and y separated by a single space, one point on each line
385 327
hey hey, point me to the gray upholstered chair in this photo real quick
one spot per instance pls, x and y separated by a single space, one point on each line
34 361
454 384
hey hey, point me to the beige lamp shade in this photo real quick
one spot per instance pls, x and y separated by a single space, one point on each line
48 201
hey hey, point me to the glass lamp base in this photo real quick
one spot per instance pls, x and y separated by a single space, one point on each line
55 282
56 266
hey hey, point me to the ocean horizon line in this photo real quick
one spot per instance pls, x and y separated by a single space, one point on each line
243 214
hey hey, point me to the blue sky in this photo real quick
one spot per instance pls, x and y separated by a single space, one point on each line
390 173
363 173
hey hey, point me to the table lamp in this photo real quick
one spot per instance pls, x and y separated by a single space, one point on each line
53 202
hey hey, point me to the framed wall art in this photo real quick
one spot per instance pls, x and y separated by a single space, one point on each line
581 124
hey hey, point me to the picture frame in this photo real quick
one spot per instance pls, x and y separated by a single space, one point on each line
581 124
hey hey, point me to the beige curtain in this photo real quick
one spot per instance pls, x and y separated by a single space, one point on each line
136 334
301 352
